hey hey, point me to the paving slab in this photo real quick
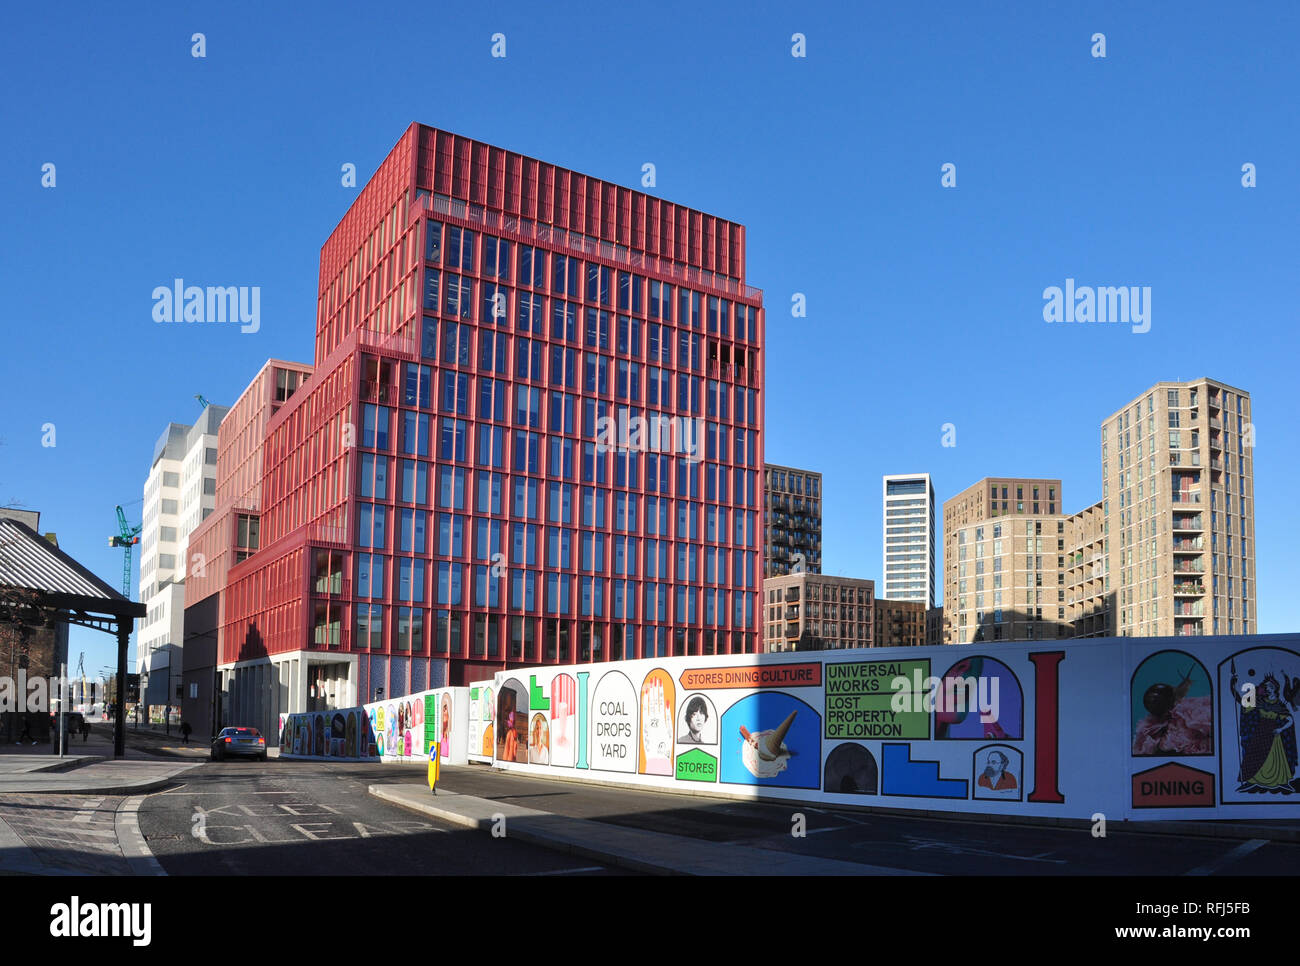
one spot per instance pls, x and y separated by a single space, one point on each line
122 777
52 835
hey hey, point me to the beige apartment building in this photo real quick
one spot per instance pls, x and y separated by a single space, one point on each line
1169 549
1178 506
899 623
975 612
933 626
1087 572
1009 580
807 611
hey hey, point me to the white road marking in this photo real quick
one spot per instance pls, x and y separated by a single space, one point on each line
181 791
1245 848
131 839
918 844
589 868
850 818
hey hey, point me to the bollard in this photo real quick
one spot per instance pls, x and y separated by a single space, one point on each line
433 768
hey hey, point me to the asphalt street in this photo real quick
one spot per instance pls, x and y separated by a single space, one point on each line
935 846
307 818
303 817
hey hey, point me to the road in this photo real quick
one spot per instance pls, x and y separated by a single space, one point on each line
936 846
312 818
288 817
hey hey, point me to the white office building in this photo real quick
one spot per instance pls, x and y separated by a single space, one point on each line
179 492
908 539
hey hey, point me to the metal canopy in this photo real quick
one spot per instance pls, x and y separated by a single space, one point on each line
41 585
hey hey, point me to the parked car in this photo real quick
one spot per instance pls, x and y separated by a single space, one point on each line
238 743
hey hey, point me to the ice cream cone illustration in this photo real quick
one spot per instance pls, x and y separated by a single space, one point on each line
774 744
764 752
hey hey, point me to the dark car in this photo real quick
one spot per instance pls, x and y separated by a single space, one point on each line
239 743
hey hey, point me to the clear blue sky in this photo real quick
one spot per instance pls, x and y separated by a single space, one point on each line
924 303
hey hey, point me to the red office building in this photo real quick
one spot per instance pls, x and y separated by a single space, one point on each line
532 433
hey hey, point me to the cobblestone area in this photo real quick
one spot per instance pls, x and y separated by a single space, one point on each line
60 835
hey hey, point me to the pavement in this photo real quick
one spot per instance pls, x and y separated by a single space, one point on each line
88 768
76 814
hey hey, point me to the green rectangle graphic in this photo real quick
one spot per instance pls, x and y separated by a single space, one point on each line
860 697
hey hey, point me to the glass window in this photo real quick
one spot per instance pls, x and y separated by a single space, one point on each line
370 525
460 247
411 527
496 257
490 486
410 579
415 433
532 267
373 480
433 241
415 477
374 427
429 338
369 626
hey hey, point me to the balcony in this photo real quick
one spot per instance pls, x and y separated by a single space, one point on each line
722 371
1189 544
1185 496
333 587
394 342
1187 521
1189 589
324 533
331 636
376 392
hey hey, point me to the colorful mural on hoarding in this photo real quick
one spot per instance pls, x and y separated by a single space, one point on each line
482 718
1259 695
399 729
345 734
1125 727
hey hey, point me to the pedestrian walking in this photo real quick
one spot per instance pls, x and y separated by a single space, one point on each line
27 730
185 732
